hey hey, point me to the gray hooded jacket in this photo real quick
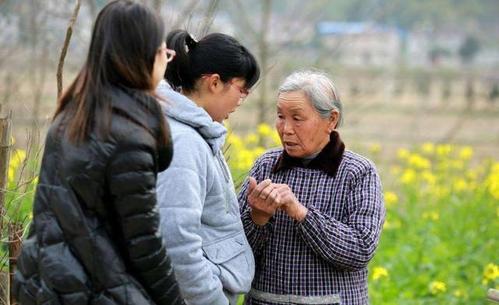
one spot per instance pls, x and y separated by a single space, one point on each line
199 211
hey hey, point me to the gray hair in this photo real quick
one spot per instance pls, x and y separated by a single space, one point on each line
318 88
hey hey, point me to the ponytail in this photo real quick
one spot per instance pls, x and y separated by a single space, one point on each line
178 74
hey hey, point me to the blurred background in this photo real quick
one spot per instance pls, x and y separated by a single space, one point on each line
419 81
408 71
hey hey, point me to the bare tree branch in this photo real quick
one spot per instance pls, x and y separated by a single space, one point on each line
65 46
93 8
208 18
243 18
188 9
157 5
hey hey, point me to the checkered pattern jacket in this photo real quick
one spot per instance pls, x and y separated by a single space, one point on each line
328 252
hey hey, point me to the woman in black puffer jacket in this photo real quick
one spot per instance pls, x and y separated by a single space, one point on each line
94 237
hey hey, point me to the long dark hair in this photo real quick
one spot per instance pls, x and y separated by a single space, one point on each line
214 53
125 39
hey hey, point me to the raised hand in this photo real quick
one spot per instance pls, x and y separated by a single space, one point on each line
288 202
263 198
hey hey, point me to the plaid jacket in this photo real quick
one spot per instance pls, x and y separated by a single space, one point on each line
328 252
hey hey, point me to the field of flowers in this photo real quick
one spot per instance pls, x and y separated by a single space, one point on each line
440 241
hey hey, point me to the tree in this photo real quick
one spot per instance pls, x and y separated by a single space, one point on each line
468 50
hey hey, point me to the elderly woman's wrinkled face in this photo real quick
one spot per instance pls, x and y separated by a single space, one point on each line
302 130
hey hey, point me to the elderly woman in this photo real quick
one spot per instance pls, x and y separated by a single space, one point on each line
312 211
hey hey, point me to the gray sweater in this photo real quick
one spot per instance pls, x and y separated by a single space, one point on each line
200 218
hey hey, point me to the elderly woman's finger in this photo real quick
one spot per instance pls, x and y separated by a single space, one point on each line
282 188
266 191
260 187
251 184
272 197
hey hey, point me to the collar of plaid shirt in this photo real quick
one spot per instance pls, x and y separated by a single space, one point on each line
328 159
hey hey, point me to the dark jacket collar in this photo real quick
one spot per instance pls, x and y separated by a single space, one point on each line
328 160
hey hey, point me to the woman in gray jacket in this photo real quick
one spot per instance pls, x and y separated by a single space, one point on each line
207 80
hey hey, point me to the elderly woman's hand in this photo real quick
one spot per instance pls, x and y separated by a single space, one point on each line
289 204
263 198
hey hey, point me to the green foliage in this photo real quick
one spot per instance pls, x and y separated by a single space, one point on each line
439 244
21 183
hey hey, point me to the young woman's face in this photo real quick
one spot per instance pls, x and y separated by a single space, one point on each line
228 99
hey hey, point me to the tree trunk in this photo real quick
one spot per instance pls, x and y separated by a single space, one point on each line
263 46
5 145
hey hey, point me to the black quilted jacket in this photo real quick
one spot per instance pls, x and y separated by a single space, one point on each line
94 237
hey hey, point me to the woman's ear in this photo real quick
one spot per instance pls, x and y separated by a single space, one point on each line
333 120
215 84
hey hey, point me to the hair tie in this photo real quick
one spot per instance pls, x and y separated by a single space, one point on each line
190 43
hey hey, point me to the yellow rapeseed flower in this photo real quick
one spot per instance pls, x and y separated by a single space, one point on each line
244 159
408 176
11 174
419 162
251 139
431 216
391 198
17 157
493 181
490 273
457 164
460 185
458 293
443 150
494 187
264 129
403 153
257 152
440 191
466 153
428 148
375 148
471 175
235 142
276 141
429 177
379 272
437 287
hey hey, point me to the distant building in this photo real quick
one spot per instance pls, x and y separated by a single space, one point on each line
362 43
428 48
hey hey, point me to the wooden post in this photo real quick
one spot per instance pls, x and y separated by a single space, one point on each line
15 243
5 146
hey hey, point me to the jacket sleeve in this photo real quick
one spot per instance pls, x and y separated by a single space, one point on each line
257 235
132 181
348 245
181 194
